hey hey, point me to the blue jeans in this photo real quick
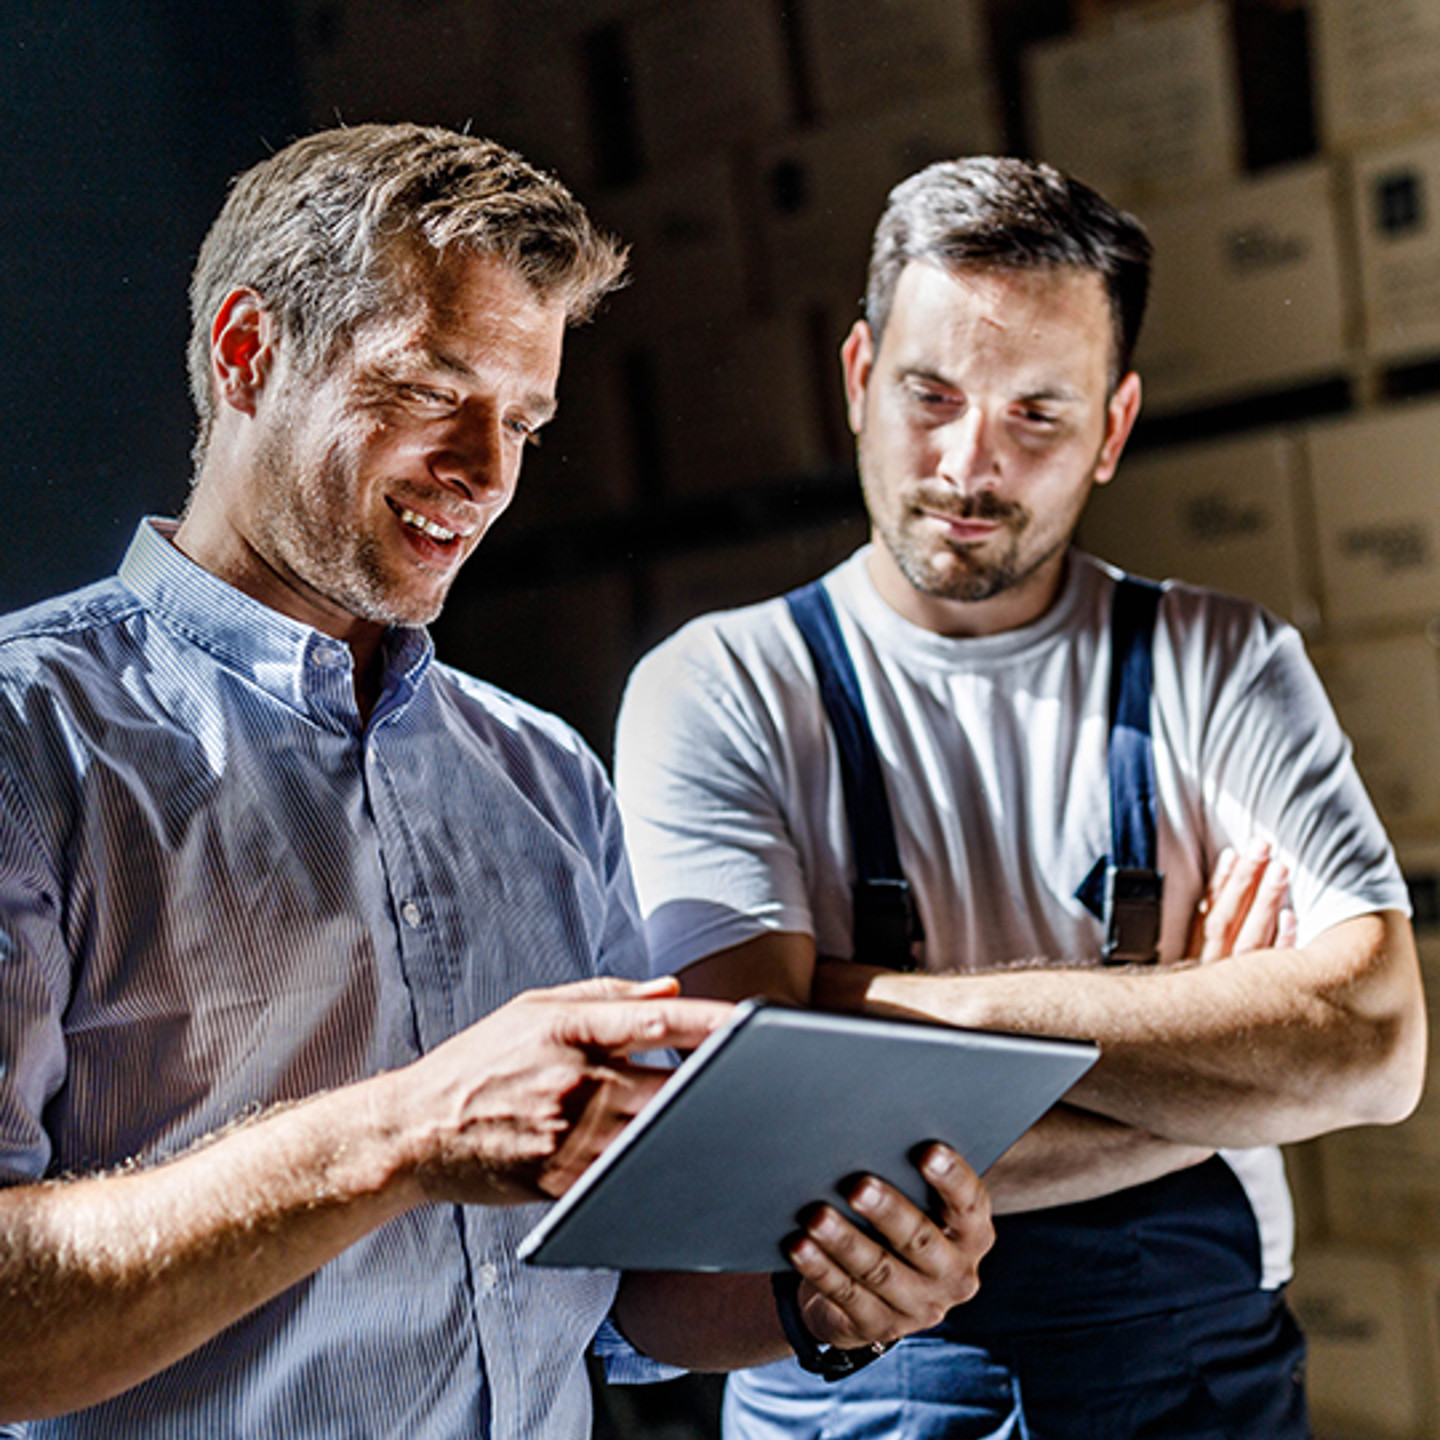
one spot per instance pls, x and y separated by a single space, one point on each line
1230 1370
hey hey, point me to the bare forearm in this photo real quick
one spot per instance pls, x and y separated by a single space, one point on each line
1073 1155
701 1322
106 1281
1266 1047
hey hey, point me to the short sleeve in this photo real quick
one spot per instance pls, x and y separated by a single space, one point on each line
700 751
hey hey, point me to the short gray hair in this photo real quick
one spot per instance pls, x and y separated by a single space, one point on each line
319 231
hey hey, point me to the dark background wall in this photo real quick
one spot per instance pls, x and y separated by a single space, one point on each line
122 122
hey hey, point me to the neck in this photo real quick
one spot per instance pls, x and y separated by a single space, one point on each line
204 538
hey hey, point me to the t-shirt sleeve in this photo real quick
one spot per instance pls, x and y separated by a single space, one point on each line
1275 762
699 759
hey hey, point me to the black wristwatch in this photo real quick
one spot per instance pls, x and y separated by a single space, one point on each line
827 1361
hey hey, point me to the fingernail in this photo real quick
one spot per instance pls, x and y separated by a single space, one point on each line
938 1164
803 1251
1258 848
866 1196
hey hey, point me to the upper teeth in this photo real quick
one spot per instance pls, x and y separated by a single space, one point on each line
434 531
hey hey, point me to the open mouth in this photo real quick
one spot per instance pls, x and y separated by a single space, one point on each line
433 529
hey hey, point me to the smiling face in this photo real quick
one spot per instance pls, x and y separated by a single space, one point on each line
983 420
350 499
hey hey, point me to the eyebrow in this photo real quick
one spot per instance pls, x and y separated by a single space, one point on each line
541 403
1060 394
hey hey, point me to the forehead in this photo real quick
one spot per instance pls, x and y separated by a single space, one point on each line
1047 317
465 309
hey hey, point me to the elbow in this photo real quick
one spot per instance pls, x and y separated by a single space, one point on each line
1390 1069
1384 1014
1401 1082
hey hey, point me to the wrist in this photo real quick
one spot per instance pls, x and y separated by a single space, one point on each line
828 1361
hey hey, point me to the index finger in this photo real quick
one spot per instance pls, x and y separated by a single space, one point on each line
620 1027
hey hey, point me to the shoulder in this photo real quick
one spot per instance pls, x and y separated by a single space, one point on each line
70 621
1194 618
733 667
75 643
542 754
497 712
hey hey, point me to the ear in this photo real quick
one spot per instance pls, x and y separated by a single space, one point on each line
857 356
242 349
1120 416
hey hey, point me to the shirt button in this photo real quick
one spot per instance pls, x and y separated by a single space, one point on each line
487 1276
410 914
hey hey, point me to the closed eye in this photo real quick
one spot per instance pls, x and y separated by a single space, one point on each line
430 398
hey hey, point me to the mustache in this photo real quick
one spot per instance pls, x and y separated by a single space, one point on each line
986 505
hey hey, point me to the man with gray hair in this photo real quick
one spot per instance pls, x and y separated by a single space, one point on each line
278 1092
977 776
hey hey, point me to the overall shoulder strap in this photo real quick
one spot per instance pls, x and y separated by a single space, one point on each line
886 922
1133 886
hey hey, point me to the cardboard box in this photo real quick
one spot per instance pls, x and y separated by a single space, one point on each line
1146 105
1248 294
1305 1175
821 192
1429 1275
1362 1318
1377 514
707 75
687 255
1220 514
870 54
1386 693
737 404
1382 1182
1377 66
722 577
1397 220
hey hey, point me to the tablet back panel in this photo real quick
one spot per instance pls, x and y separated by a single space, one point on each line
778 1110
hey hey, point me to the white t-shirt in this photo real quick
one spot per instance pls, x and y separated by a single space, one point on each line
994 752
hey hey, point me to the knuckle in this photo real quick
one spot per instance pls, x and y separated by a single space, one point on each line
878 1273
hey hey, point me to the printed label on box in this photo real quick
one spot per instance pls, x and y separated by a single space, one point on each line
1220 514
1397 198
1379 65
1377 511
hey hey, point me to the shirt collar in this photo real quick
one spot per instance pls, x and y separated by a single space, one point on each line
292 661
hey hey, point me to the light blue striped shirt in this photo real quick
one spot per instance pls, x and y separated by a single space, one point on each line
218 891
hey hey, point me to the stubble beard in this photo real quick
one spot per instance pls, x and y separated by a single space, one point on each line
325 550
946 570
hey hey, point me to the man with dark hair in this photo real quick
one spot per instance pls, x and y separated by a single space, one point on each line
277 1097
1063 767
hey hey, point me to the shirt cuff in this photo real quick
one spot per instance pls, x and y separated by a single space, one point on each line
624 1364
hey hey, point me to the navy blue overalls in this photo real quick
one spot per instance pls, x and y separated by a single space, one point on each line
1136 1315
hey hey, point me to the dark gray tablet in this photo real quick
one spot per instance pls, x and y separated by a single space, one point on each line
777 1109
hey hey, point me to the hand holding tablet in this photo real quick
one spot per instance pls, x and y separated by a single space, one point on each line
778 1110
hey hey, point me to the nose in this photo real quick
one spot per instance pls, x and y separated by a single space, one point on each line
969 460
473 458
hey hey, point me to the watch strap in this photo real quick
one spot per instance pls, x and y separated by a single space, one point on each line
828 1361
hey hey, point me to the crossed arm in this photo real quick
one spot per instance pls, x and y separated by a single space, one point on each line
105 1281
1252 1041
